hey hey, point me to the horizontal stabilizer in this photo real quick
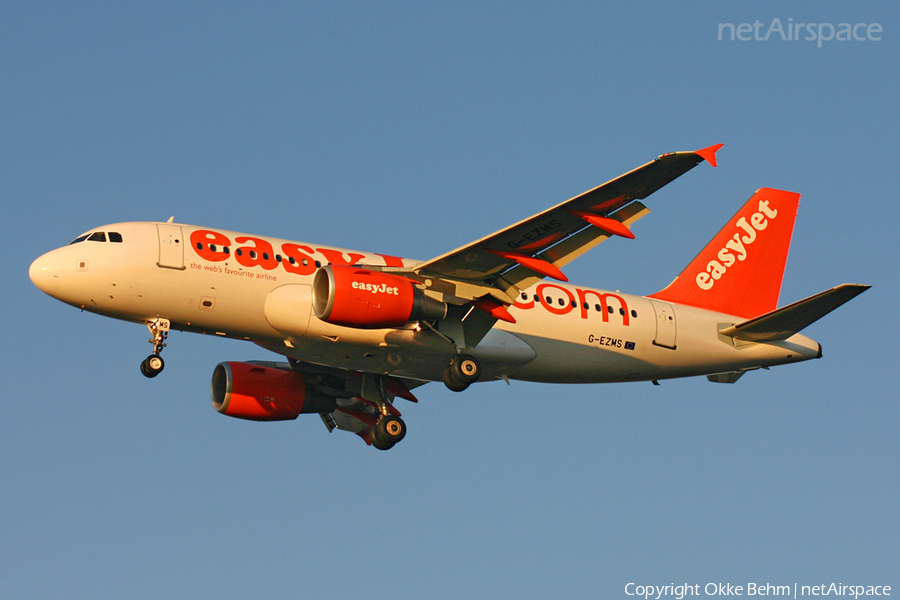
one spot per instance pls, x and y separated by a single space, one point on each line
783 323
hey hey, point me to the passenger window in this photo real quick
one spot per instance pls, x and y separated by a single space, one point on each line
562 302
634 314
212 247
524 296
97 236
610 309
226 250
597 308
622 311
574 304
115 237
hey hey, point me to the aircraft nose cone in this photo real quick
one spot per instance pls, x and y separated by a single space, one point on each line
44 274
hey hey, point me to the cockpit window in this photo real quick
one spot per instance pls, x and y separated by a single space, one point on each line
98 236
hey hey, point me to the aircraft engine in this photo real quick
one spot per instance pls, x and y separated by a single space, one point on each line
356 297
258 393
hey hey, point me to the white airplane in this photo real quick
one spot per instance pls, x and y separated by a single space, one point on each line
360 329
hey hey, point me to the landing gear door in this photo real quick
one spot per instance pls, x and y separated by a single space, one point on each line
665 324
171 246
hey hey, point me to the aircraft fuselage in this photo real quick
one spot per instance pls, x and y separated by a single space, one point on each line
257 288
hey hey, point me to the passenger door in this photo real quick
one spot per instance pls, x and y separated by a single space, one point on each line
171 246
665 324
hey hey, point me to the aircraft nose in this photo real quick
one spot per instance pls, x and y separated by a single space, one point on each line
44 273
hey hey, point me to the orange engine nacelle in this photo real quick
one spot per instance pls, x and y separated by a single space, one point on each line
257 393
356 297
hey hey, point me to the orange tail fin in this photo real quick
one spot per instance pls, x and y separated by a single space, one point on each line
740 270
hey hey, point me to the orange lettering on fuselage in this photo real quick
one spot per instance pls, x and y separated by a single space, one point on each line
391 261
568 305
303 263
260 254
257 252
206 244
336 257
215 247
545 302
524 305
604 307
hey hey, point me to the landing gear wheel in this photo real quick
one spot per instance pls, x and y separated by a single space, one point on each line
152 365
387 432
159 331
465 368
452 384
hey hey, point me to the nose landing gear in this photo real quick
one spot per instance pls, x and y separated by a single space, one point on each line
152 365
159 331
462 371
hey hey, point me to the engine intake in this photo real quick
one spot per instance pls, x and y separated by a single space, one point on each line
258 393
357 297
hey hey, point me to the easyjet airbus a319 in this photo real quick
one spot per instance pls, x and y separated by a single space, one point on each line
359 330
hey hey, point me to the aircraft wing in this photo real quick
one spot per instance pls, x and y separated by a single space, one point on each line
518 256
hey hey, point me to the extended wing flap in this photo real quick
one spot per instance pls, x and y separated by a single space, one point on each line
783 323
568 250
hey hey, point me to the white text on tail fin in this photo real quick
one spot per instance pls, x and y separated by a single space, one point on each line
740 271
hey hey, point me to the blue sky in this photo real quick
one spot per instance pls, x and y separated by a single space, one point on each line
409 130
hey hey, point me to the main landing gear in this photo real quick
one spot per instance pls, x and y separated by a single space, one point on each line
159 331
389 430
462 371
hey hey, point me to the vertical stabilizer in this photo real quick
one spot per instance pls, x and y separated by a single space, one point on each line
740 270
